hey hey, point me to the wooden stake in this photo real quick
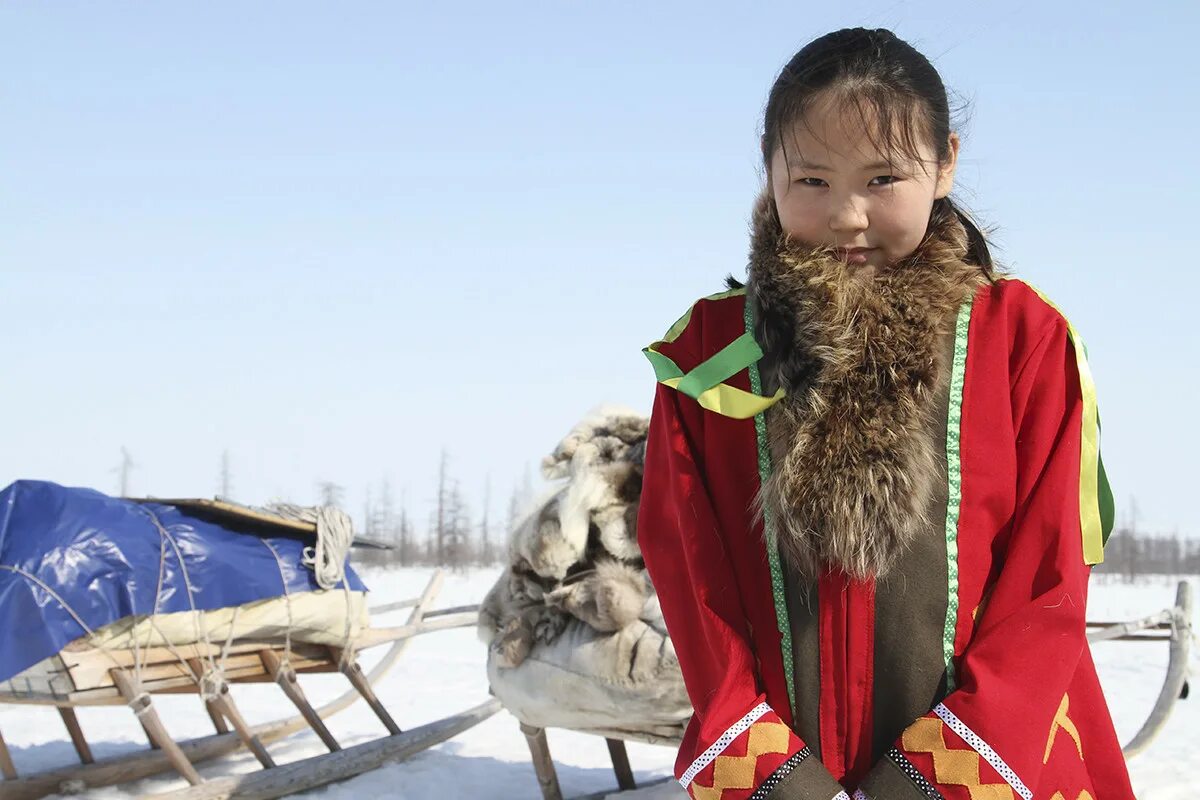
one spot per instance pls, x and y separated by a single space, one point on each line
359 681
543 764
141 705
620 762
7 769
286 678
217 720
222 705
72 722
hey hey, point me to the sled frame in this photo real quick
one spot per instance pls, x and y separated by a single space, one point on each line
109 683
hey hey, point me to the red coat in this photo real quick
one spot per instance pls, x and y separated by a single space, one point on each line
968 675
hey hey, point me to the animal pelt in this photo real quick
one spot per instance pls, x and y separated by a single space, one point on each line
608 598
573 554
599 464
514 615
860 355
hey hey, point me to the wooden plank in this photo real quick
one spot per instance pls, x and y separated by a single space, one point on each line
543 764
224 510
285 676
90 669
144 708
72 722
310 773
620 762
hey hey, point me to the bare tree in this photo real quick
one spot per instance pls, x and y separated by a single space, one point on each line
1131 561
226 481
456 548
486 556
124 468
330 493
439 526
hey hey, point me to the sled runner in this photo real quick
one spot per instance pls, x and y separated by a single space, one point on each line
202 648
1173 625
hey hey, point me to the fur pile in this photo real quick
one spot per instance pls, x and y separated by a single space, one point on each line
862 356
574 553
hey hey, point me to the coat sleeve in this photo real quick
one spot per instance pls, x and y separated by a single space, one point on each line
997 729
736 746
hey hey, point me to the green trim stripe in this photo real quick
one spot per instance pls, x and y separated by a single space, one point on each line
777 586
732 359
962 329
705 383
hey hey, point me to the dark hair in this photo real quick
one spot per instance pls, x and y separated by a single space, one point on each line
894 89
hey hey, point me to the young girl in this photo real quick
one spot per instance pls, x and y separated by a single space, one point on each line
872 487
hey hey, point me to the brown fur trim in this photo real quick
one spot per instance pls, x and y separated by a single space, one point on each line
853 459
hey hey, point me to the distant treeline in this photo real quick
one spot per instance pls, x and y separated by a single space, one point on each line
1132 553
453 536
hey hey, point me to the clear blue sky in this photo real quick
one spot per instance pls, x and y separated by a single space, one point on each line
336 237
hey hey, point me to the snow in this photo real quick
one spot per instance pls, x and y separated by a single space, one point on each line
443 672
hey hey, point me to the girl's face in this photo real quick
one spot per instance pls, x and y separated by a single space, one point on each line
836 188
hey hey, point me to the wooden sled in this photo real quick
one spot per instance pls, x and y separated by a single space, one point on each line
1173 624
106 677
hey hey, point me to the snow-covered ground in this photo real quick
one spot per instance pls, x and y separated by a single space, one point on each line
444 672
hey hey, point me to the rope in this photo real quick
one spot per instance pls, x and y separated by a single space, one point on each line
287 604
200 628
335 532
78 619
140 704
327 560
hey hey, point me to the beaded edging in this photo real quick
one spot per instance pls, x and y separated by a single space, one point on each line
776 777
734 731
914 775
983 748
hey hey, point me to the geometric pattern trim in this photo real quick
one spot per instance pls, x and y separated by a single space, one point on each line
736 777
722 743
951 766
1084 795
961 766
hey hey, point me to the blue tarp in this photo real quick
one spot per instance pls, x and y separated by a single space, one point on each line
101 556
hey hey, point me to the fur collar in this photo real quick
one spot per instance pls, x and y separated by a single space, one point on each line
861 359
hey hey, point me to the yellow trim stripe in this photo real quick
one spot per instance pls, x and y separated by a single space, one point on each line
730 401
721 398
1089 465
